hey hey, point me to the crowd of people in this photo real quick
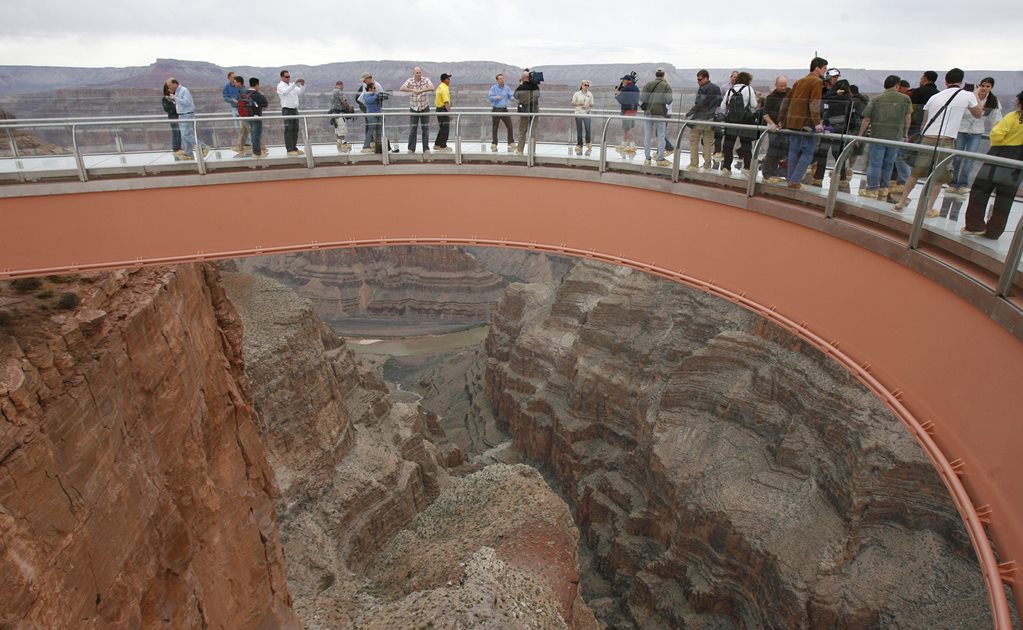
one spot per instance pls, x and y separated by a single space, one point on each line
956 117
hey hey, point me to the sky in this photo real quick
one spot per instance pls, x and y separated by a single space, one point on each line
865 34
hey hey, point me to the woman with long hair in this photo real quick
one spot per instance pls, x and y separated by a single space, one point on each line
971 131
172 113
1004 181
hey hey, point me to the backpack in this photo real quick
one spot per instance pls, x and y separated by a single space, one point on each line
736 110
358 101
245 105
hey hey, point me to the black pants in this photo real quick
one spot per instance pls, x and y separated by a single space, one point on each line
821 157
496 121
443 123
745 151
981 190
175 134
422 118
290 128
777 150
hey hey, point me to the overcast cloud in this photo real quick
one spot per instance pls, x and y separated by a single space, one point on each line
872 34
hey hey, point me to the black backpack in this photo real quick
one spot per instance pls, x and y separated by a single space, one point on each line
736 110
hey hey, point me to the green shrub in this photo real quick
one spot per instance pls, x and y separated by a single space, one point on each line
26 285
68 301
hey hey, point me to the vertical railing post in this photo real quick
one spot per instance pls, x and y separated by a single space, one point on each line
754 163
83 175
200 159
14 144
922 206
309 160
530 144
1012 261
458 139
385 145
836 177
602 168
676 163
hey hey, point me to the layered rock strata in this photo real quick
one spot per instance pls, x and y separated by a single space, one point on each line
134 489
724 473
355 466
431 283
497 549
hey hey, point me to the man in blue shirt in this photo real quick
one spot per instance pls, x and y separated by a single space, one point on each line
186 115
500 96
231 92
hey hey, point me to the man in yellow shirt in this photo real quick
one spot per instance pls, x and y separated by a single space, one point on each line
442 101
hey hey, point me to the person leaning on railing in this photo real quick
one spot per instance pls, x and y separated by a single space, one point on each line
1007 142
801 111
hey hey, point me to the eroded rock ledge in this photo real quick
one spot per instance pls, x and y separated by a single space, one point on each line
723 472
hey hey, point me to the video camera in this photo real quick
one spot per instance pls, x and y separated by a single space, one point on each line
535 76
621 84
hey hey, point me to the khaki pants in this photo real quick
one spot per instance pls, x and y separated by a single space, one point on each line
698 133
243 137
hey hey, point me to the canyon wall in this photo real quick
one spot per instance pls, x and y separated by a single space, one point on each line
134 489
376 531
724 473
425 283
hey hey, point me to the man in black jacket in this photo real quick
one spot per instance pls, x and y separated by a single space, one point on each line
778 149
528 97
708 98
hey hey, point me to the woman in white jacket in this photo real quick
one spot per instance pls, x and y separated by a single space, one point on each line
582 101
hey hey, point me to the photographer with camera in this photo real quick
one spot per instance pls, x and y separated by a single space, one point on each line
371 96
382 96
627 95
528 97
289 92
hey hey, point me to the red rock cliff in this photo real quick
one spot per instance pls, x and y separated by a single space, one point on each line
134 491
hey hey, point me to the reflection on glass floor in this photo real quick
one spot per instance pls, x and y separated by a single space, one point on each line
952 207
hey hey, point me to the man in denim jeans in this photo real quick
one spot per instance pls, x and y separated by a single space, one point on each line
186 114
801 111
654 98
419 89
255 123
887 117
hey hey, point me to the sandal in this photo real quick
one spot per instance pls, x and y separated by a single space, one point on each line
933 214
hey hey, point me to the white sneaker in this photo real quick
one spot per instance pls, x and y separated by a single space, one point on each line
663 163
646 162
366 150
493 148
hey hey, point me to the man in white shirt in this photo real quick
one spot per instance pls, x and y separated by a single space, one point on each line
943 113
419 89
289 92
